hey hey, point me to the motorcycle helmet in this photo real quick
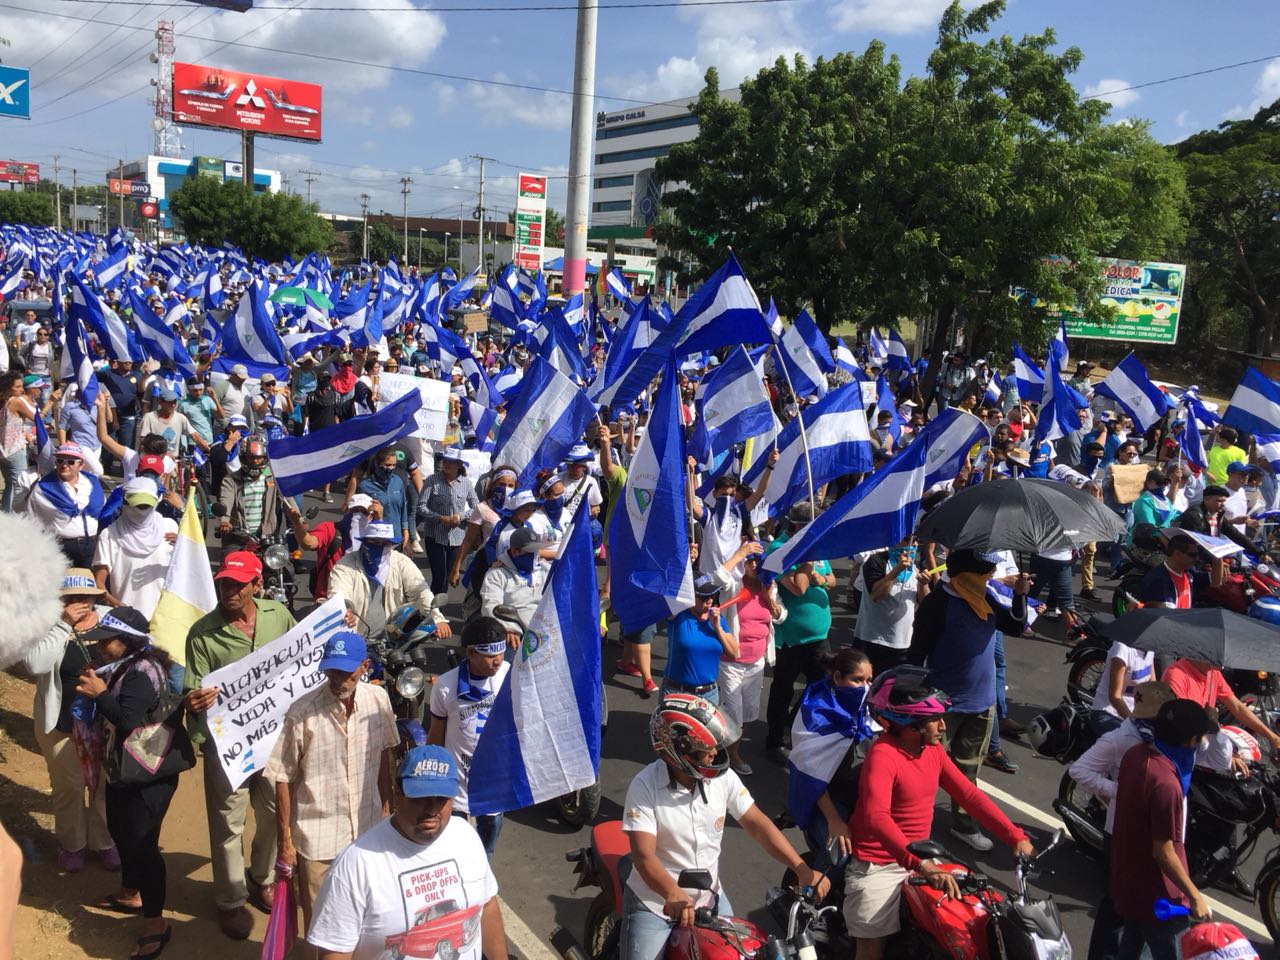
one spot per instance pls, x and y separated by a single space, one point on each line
1245 744
253 457
1215 941
904 695
1052 734
1266 609
407 622
684 727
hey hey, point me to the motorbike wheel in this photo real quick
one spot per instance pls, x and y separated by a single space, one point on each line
1072 793
1083 679
602 925
579 808
1267 888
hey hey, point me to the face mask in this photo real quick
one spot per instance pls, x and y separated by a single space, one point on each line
498 497
382 473
851 698
371 557
1183 758
553 508
524 562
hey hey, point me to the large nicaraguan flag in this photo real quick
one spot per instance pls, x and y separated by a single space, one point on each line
650 575
1128 385
1255 406
542 738
547 415
829 721
304 463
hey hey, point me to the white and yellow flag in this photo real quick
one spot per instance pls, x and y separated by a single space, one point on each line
188 586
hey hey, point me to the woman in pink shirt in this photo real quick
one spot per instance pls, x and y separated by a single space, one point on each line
741 680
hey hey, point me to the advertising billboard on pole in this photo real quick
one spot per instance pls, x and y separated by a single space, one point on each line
16 171
234 100
1147 298
531 221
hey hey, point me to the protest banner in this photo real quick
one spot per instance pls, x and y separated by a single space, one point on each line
1218 547
255 692
433 418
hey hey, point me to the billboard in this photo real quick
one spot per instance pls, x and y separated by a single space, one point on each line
209 167
15 171
234 100
129 188
15 92
1147 298
531 220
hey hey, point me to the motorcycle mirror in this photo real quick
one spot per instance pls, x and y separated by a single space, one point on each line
694 880
505 611
1055 838
926 849
219 509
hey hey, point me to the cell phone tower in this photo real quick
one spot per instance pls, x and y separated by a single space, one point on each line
168 142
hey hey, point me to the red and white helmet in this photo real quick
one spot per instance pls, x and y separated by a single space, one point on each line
1215 941
685 728
1246 745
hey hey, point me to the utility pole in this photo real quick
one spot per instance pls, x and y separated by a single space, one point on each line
57 192
479 218
74 198
580 137
121 205
364 218
311 177
404 192
284 182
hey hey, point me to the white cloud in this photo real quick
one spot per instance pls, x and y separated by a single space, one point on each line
1184 121
400 118
1266 90
888 16
1113 92
504 106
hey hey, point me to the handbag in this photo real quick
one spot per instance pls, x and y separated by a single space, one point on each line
155 749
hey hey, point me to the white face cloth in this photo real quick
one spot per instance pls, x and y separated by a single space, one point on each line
138 530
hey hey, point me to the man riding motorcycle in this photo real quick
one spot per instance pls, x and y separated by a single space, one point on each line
674 817
377 579
249 495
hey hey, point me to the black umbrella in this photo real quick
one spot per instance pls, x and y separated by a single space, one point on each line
1221 637
1027 516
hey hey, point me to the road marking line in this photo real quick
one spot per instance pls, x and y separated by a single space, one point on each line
519 933
1221 910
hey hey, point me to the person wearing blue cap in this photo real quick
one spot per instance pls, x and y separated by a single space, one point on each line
964 664
416 881
331 765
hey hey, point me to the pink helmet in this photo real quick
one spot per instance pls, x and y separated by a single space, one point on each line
903 695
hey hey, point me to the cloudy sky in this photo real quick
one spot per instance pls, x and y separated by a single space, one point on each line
480 82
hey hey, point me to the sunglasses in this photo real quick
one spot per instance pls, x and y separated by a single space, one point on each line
66 461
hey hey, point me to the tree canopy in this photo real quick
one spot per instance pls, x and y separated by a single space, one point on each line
876 198
26 206
267 225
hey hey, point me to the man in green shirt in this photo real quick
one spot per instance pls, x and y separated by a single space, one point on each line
1222 454
241 623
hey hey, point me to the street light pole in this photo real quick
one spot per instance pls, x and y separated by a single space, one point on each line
404 192
420 229
364 217
580 137
447 235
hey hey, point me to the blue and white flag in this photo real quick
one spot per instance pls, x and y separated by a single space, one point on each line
995 390
1128 385
722 312
212 293
1029 377
455 295
951 435
887 403
899 358
877 349
547 415
112 332
158 336
829 721
110 271
1058 345
542 737
650 575
508 381
845 359
1268 448
506 307
1057 414
1189 439
12 282
734 407
805 357
249 335
618 284
629 369
838 443
78 360
306 463
44 449
560 348
481 420
299 343
1255 406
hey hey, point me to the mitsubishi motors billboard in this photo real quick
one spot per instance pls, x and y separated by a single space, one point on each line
232 100
18 171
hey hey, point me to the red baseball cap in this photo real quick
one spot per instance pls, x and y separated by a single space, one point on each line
151 463
240 566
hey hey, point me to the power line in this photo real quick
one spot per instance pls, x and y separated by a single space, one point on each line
534 8
1182 76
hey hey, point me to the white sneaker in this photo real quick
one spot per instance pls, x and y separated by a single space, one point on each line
977 840
417 545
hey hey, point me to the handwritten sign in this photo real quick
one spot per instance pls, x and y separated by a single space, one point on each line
433 418
255 692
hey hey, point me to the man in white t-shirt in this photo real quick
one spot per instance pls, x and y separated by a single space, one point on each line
461 701
417 880
674 816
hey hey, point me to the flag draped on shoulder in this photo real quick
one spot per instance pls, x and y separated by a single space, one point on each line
188 586
1255 406
650 575
542 737
546 416
829 721
1128 385
304 463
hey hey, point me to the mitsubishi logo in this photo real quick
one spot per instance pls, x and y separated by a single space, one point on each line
250 97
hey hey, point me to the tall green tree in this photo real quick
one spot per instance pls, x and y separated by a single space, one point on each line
267 225
23 206
876 199
1233 177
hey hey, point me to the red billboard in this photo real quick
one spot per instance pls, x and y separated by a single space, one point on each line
233 100
16 171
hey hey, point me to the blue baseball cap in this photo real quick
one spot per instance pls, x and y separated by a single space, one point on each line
345 651
428 771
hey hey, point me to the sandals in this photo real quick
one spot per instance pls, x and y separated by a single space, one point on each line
160 940
113 903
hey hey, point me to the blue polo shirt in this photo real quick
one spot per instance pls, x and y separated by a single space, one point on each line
693 651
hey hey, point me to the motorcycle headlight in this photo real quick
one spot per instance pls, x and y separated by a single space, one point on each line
276 556
410 682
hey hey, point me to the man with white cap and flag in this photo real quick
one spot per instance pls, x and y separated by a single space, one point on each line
377 578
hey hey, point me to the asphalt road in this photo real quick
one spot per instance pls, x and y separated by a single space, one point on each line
537 883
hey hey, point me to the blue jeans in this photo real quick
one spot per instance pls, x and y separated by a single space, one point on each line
644 933
818 836
712 696
177 674
488 826
1002 708
10 467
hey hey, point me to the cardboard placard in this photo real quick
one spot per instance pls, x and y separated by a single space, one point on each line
1127 481
433 418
